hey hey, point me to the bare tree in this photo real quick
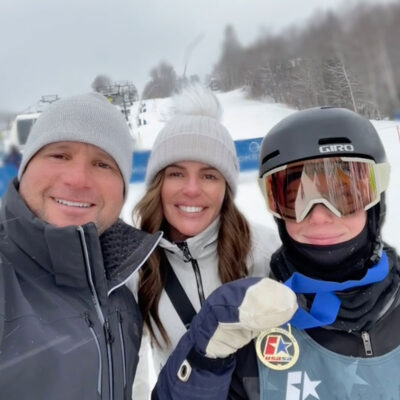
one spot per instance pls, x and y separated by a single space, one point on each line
163 82
346 58
231 68
101 83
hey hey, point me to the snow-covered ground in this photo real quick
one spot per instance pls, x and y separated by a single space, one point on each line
250 119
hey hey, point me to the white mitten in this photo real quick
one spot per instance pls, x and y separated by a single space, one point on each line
237 312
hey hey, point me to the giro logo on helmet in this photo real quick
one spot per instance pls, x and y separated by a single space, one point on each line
332 148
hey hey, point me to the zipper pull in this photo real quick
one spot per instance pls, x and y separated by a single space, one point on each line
107 332
88 321
367 344
186 253
119 316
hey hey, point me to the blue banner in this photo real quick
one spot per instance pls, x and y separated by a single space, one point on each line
139 164
247 152
7 172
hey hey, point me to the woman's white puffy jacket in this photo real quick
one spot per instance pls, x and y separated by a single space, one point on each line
203 248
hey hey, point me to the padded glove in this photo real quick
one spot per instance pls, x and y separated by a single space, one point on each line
237 312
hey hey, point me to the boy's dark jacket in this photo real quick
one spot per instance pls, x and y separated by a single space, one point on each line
383 334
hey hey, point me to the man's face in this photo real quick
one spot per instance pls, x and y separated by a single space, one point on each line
73 183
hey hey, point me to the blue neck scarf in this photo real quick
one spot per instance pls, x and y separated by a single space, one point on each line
326 304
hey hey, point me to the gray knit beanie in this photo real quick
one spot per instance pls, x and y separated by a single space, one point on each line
87 118
195 133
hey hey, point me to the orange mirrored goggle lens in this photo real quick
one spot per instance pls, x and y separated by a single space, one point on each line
345 186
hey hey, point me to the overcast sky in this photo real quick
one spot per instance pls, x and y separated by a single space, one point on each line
58 46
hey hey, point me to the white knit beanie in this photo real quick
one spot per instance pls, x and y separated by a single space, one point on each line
88 118
195 133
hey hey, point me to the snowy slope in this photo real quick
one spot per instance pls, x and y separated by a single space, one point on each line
248 119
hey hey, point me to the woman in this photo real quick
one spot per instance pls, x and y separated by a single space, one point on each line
191 179
323 172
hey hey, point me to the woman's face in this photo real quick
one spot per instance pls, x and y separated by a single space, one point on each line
192 194
321 227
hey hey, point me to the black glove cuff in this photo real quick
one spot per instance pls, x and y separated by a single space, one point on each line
211 364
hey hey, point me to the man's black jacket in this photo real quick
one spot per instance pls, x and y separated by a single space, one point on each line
69 328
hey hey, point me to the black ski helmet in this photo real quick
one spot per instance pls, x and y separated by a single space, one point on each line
320 132
325 132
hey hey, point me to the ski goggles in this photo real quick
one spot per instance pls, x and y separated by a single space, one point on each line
344 185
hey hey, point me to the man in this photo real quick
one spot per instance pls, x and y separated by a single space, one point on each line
69 329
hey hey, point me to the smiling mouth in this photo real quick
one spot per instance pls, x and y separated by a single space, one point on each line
324 239
191 209
332 237
72 203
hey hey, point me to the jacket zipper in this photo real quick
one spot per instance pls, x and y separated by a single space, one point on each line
105 323
188 257
96 340
121 338
367 343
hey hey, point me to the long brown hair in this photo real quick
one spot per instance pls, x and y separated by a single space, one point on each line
233 248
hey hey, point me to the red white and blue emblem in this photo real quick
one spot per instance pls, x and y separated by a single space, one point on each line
277 348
